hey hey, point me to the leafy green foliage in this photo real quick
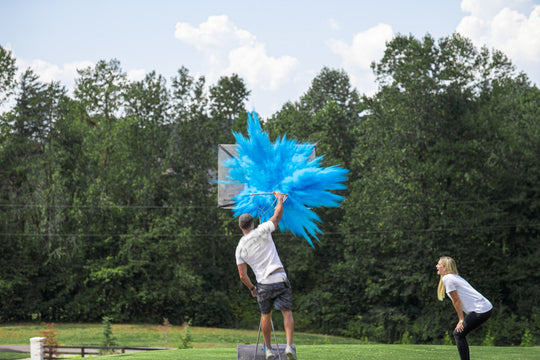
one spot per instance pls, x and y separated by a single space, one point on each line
7 74
527 339
186 338
429 180
109 341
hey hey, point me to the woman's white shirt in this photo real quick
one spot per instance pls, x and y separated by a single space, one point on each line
471 300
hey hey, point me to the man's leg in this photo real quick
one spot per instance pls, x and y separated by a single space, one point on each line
288 324
266 325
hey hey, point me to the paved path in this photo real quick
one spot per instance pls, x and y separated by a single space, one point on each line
15 348
26 349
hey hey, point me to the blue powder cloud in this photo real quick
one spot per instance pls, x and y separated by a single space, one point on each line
284 166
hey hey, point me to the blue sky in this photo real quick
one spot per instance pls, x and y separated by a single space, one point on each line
276 46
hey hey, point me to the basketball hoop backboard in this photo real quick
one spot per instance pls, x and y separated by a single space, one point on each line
227 190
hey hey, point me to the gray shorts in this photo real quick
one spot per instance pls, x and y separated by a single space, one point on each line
276 294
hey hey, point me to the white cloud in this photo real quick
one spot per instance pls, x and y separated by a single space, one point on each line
47 72
366 47
256 67
483 9
136 75
510 26
66 73
487 9
216 32
229 49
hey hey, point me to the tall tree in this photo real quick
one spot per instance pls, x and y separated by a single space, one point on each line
100 89
426 183
33 194
227 107
7 74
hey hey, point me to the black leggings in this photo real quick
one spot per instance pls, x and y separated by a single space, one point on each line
471 322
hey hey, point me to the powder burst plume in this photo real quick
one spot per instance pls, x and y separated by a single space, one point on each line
284 166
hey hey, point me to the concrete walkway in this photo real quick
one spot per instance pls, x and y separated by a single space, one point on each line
15 348
89 351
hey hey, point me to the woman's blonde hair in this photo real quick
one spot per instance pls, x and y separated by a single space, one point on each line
451 268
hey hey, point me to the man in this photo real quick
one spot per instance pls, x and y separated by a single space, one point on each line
257 249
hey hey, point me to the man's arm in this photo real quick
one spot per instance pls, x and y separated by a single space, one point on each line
242 271
278 212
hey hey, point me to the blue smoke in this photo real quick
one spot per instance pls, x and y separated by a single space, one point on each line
284 166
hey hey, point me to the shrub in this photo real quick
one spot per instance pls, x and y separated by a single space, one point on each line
406 338
489 340
109 340
447 340
186 338
527 339
507 328
51 343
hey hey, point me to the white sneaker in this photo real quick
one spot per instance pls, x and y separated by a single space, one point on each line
269 354
291 352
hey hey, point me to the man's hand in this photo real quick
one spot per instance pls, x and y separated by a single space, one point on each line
280 196
278 211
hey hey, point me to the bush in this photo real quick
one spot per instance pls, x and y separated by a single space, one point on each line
406 338
506 327
489 339
186 337
447 340
51 343
109 340
527 339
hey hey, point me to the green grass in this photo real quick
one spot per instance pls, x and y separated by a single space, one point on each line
153 335
348 352
13 356
217 344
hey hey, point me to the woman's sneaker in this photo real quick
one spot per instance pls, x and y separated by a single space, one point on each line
291 352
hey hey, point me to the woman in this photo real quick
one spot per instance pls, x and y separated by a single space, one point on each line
465 300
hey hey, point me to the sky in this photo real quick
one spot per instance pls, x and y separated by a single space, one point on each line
276 46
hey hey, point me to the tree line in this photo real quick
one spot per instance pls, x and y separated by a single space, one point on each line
108 200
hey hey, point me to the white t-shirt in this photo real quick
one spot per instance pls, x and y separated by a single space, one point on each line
471 300
257 249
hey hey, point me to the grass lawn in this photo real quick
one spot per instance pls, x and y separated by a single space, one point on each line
349 352
153 335
13 356
213 343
